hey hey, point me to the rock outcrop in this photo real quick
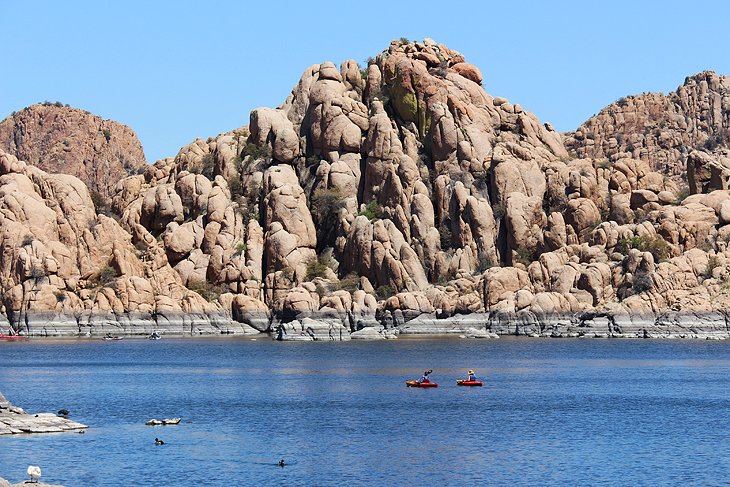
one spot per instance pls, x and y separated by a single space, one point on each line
663 130
14 420
61 139
394 198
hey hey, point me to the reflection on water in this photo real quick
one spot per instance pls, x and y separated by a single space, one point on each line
551 412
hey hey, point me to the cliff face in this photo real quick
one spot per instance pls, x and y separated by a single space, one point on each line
396 195
58 138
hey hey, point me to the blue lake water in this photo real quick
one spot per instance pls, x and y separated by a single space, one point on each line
552 412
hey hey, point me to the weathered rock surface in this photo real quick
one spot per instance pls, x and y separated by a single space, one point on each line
5 483
14 420
394 198
61 139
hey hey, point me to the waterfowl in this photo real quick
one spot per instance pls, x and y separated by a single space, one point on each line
35 472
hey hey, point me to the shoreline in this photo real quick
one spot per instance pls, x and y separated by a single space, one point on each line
711 325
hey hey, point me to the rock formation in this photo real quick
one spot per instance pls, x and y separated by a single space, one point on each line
394 198
58 138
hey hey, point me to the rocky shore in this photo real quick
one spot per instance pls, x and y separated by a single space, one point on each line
14 420
25 483
316 327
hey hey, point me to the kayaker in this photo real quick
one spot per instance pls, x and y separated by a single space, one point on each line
472 377
424 377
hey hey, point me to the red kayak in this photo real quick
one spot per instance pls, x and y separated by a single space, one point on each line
415 383
471 383
11 337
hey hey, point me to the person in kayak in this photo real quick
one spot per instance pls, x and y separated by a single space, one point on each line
471 377
424 377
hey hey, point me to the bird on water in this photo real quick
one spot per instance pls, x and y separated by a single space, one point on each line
159 441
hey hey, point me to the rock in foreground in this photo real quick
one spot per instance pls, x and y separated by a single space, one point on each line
14 420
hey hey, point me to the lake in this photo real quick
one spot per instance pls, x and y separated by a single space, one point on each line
551 412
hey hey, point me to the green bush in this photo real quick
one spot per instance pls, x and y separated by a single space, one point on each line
207 166
656 245
318 267
326 205
241 247
107 134
254 152
371 211
207 291
524 255
350 283
383 292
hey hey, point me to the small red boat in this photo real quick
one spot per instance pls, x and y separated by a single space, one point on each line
471 383
3 336
415 383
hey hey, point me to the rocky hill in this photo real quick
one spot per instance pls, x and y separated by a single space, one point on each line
58 138
394 198
691 124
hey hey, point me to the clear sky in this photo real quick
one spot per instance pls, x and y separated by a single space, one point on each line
177 70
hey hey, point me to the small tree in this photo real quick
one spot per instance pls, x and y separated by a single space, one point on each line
326 205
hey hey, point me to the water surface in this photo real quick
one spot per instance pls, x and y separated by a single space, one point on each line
552 412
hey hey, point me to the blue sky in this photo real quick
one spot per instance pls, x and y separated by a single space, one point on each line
174 71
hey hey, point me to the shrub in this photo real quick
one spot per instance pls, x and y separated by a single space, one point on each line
254 152
383 292
446 238
206 290
326 205
101 204
60 296
207 167
350 283
107 134
106 275
656 245
241 247
484 264
38 272
235 187
642 282
318 267
682 194
604 164
371 211
403 41
524 255
498 211
27 240
713 262
248 203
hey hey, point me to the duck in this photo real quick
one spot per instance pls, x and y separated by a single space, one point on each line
159 441
282 463
35 472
